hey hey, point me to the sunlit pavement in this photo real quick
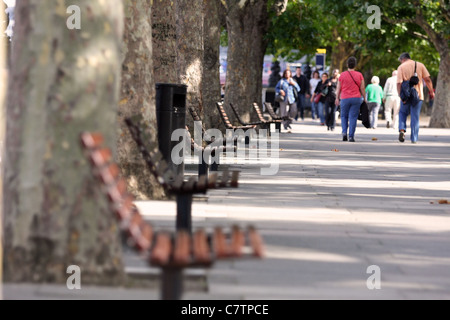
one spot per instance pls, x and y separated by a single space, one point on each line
333 210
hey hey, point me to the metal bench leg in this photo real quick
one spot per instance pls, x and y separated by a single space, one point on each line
184 212
202 166
172 284
278 126
215 165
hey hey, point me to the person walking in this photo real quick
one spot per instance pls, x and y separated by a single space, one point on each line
350 94
330 101
391 101
288 108
303 82
313 85
375 98
405 71
322 90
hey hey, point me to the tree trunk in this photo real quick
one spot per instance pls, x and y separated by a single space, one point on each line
137 97
247 23
164 31
64 82
3 84
341 51
189 14
211 62
440 117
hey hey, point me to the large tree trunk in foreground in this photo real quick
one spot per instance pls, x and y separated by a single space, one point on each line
3 84
137 97
63 82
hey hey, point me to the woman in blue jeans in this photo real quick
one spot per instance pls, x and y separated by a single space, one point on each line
349 95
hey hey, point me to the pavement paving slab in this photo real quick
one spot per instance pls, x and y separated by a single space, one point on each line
333 210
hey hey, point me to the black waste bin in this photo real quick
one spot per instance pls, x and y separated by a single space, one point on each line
171 115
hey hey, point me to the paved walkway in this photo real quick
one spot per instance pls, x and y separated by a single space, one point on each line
334 209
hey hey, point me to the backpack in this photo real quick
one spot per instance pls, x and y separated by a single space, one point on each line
408 94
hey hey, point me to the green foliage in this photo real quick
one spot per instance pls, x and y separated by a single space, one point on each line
311 24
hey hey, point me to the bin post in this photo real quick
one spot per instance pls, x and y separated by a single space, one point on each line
171 115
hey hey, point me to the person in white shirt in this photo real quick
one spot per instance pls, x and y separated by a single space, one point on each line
313 85
391 101
10 11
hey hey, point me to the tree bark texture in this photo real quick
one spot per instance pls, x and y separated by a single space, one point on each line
189 14
164 31
63 82
213 10
137 97
247 23
3 85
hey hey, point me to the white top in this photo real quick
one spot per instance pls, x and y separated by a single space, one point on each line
313 82
10 11
390 88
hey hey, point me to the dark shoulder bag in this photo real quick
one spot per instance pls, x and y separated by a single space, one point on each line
363 109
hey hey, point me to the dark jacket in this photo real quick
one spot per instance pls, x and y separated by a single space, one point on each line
303 82
331 96
322 88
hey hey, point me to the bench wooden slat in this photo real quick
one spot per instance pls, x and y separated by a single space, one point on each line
92 140
144 242
225 179
202 182
109 174
125 208
160 254
235 179
189 186
237 241
117 191
212 180
201 249
101 157
182 249
221 247
256 242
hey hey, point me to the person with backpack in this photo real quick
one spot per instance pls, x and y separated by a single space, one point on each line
410 77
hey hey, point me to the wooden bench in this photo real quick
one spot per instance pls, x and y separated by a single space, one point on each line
170 251
261 118
176 185
209 140
261 124
274 116
203 166
230 126
206 136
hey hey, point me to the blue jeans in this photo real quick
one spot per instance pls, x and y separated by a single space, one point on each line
301 106
314 111
320 111
414 111
349 115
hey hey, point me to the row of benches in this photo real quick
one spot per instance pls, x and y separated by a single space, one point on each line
183 248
